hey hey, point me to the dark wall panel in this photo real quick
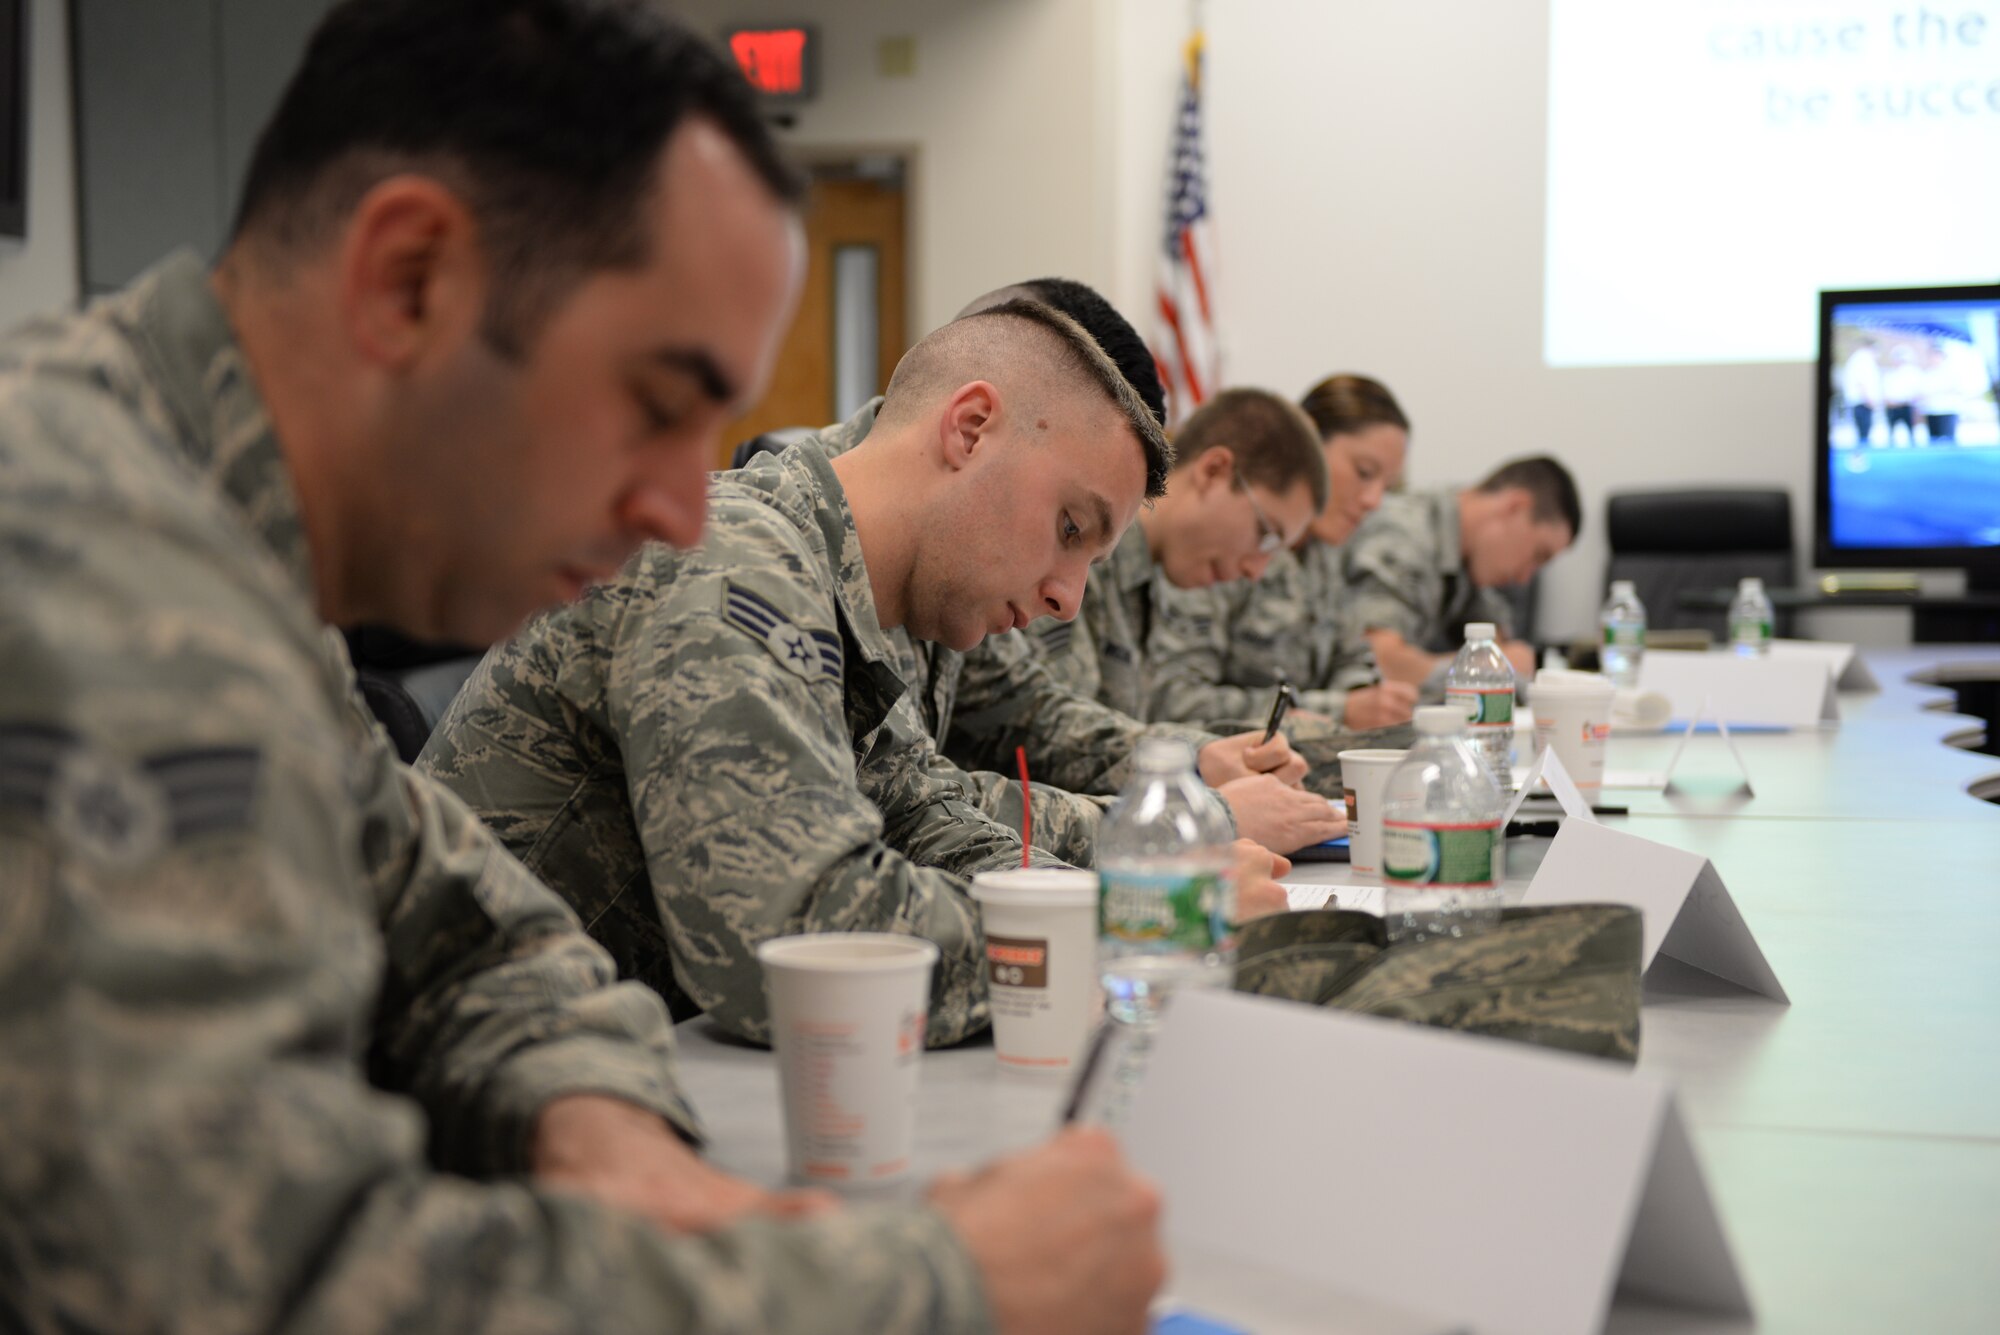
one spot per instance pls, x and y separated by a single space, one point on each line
170 95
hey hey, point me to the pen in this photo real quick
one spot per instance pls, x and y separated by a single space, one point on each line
1595 810
1081 1089
1282 703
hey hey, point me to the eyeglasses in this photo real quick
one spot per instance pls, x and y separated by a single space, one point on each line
1269 536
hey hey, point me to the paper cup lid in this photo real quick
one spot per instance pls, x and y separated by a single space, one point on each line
1036 887
1570 683
848 952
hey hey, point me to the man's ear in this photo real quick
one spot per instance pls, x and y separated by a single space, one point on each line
968 421
1216 464
412 276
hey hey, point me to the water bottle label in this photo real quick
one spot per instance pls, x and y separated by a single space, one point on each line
1156 909
1631 637
1484 706
1456 856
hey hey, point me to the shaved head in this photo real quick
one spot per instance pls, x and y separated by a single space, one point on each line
1044 365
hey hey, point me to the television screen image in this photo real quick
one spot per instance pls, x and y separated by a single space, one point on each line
1911 431
13 118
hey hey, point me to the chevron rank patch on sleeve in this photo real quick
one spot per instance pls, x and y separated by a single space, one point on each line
120 811
812 655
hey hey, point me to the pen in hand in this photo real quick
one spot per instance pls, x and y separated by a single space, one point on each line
1285 698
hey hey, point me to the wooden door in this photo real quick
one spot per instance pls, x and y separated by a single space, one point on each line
844 213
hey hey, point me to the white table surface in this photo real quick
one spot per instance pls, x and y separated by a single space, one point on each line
1852 1139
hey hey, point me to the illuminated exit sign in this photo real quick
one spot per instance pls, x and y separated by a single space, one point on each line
781 63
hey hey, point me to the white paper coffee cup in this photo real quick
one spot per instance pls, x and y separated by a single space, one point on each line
1573 714
1362 774
847 1019
1041 963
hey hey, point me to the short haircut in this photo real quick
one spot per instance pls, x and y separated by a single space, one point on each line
1113 332
1275 444
1548 483
1341 405
548 117
1022 345
1101 320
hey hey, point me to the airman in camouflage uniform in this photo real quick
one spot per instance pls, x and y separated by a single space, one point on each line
1217 653
1406 573
221 899
1102 655
717 748
1071 792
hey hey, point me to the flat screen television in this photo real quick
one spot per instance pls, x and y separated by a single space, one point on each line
13 118
1908 445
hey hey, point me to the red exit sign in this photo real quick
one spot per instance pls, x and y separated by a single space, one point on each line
781 63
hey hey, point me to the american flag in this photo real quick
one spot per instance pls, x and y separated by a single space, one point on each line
1184 342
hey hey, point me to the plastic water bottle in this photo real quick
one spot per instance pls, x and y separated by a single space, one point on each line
1443 855
1480 682
1166 874
1624 621
1750 619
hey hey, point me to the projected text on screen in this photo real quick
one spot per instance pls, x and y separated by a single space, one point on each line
1713 164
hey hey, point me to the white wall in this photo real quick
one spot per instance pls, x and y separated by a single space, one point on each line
1377 182
40 273
1377 179
1005 121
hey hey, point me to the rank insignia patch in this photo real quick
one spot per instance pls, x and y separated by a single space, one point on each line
119 811
812 655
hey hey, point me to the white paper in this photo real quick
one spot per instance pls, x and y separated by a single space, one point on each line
1785 692
1843 662
1574 1171
1663 780
1567 794
1362 898
1688 913
1526 787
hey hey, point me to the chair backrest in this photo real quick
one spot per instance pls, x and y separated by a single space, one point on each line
409 703
407 684
771 442
1673 542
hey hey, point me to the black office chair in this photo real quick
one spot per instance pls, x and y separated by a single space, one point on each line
1673 542
406 684
771 442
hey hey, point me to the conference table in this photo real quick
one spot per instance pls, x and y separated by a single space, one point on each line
1851 1139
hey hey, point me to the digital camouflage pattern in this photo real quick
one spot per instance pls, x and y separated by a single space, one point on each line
1102 653
1218 653
1405 572
268 1001
1072 693
716 748
1065 823
1565 976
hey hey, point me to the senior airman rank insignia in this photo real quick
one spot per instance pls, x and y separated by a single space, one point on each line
118 811
812 655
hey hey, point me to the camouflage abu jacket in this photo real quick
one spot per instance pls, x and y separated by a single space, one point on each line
716 748
1405 573
258 982
1216 653
1079 751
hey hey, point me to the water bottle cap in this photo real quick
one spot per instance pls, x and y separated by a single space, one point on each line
1622 588
1481 630
1750 583
1165 754
1440 720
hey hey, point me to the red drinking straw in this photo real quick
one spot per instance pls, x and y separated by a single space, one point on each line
1027 804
